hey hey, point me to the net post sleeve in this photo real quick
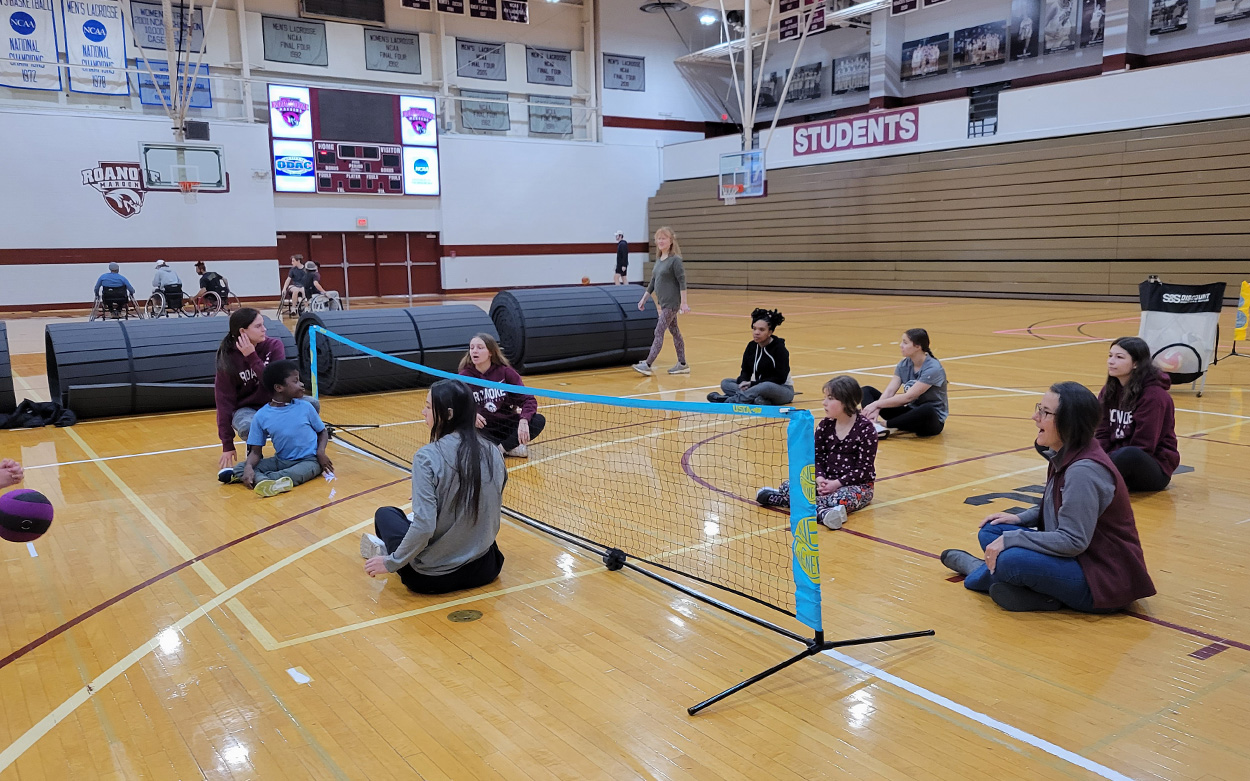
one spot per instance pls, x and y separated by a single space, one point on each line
312 356
801 457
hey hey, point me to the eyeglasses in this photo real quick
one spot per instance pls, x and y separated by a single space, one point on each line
1043 413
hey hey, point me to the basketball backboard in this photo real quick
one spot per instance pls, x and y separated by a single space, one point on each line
167 164
744 169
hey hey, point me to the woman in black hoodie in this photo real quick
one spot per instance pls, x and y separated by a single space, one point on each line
765 375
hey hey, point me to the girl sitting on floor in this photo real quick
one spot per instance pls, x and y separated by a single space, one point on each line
846 454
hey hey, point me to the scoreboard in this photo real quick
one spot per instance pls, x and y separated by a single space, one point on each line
347 142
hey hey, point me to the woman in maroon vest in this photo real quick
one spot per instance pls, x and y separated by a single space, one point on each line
1080 548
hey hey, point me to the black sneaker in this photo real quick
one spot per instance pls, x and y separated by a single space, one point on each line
766 495
717 398
1019 599
225 476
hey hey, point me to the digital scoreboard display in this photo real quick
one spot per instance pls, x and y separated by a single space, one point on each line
344 142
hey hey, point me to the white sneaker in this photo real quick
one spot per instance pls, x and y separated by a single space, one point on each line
882 431
642 367
268 488
520 451
833 517
371 545
679 368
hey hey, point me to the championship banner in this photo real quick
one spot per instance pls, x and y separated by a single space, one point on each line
801 446
95 44
1243 313
28 61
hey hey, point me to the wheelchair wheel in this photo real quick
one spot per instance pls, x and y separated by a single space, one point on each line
155 306
212 303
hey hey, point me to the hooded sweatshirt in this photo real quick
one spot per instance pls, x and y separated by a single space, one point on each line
242 386
495 405
1150 424
766 363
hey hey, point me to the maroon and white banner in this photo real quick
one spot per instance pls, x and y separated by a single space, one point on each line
866 130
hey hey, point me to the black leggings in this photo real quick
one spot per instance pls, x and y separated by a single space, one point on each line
391 524
922 420
1139 469
503 432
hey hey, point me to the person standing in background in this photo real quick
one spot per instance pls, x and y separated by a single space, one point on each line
621 276
668 282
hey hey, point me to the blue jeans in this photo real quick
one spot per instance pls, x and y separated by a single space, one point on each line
1057 577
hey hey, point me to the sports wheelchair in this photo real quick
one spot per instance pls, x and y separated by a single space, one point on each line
170 300
114 303
214 301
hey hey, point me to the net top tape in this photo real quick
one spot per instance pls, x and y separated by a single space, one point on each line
748 410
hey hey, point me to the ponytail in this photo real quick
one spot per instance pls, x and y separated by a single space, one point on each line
920 338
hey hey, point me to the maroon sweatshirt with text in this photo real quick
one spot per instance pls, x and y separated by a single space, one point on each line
1150 424
242 386
496 405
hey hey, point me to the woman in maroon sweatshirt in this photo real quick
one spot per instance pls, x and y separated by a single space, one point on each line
1138 425
241 360
510 420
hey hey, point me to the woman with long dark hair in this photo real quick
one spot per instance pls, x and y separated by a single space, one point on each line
1138 426
510 420
1080 549
457 491
237 388
915 399
765 374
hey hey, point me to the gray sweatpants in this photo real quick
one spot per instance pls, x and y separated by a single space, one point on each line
272 468
769 393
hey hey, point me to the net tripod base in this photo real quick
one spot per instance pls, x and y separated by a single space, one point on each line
814 646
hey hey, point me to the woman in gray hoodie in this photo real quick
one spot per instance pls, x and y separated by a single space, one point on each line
448 542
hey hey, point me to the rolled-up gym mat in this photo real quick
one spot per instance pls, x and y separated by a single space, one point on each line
134 367
434 336
8 400
560 328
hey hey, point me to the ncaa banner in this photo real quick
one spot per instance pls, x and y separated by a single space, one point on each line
801 449
1243 313
95 43
28 58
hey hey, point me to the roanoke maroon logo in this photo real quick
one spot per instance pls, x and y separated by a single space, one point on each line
291 109
419 118
121 184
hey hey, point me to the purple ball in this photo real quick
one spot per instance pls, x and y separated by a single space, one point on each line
24 515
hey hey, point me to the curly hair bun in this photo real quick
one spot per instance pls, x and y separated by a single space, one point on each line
773 317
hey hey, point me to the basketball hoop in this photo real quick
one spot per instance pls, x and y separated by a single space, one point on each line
729 193
189 191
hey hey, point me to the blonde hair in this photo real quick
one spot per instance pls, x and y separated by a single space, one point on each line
673 247
492 348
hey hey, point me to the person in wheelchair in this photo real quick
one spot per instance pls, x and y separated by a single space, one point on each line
164 277
293 290
114 294
214 283
319 299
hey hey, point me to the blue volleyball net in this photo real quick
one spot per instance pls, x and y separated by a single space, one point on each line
667 484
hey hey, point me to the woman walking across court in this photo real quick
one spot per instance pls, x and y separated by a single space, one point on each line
765 374
1138 426
457 491
915 399
1080 549
668 282
510 420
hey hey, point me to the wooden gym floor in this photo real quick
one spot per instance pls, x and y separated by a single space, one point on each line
170 627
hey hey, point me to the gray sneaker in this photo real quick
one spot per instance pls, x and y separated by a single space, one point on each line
961 561
679 368
642 367
520 451
832 517
371 546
